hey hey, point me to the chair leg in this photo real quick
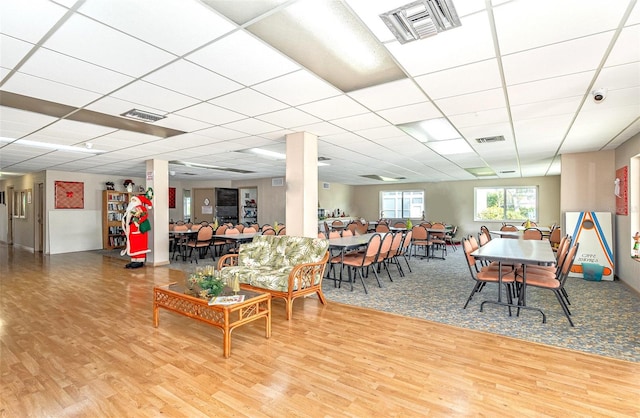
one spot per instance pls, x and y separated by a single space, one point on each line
476 288
564 307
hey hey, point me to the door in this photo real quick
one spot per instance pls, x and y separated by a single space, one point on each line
10 210
39 214
203 204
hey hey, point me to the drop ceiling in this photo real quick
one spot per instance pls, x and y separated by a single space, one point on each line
230 76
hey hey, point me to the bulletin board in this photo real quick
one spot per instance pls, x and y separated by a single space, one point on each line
621 191
69 194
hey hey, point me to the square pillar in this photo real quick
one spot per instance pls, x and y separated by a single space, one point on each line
157 177
301 209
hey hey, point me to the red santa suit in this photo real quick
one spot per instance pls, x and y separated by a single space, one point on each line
135 224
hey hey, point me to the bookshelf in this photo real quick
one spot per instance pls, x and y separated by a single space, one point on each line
113 207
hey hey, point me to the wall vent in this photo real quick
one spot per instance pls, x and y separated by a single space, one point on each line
326 186
142 115
277 182
421 19
489 139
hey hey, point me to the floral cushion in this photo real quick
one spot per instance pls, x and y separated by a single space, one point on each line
267 261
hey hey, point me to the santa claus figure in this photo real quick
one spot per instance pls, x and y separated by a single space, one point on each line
136 225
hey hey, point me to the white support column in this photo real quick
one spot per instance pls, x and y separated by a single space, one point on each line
157 177
302 185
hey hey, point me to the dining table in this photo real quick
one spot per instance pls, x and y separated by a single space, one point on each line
181 238
344 244
516 252
236 239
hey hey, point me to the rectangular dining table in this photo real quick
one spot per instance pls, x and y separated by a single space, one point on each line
515 252
344 244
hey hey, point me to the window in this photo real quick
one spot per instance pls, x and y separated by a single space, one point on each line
402 204
506 203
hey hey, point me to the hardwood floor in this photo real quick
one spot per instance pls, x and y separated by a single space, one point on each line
77 339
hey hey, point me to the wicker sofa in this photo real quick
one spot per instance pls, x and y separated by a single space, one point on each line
285 266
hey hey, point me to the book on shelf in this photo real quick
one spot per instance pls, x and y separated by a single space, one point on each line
226 300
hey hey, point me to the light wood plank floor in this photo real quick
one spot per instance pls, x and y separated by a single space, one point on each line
77 339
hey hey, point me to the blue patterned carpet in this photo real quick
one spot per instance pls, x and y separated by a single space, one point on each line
605 314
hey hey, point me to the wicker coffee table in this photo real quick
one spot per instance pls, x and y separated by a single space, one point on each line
173 297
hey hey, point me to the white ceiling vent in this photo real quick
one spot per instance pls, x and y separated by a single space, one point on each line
421 19
489 139
142 115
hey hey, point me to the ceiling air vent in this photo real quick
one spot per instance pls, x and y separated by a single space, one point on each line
142 115
489 139
421 19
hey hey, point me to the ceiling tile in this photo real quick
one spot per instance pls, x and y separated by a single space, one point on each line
29 20
182 123
252 126
526 25
555 60
207 112
17 123
48 90
289 118
147 94
116 107
411 113
359 122
192 80
382 132
334 107
320 129
13 50
175 25
465 79
297 88
106 47
549 89
389 95
73 72
475 102
620 77
481 117
247 60
248 102
627 48
566 106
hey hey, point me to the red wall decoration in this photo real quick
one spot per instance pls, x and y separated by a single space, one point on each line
172 197
69 194
621 191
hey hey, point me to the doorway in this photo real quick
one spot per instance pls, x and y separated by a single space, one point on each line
10 210
203 202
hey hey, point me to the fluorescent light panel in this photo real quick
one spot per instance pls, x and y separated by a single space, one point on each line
46 145
431 130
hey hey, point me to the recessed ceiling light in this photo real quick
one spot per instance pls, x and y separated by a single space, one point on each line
430 130
272 155
209 167
454 146
481 171
48 145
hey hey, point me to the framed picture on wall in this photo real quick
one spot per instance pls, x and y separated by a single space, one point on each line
69 194
172 197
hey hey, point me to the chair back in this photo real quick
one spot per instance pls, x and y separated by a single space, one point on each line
439 226
196 227
337 223
532 233
362 227
509 228
373 247
382 227
249 230
399 225
268 231
468 248
347 233
555 237
221 230
419 233
425 224
181 227
482 238
205 233
485 231
240 228
385 246
231 231
473 242
353 227
396 244
282 231
406 242
334 234
266 226
321 235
